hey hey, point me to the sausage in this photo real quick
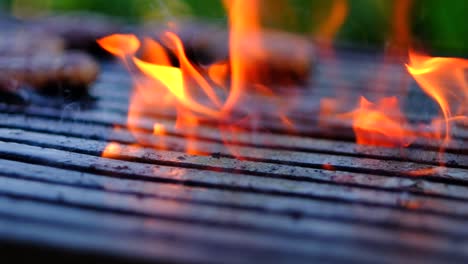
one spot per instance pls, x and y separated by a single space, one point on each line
47 73
280 59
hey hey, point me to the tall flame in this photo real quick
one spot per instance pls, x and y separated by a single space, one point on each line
444 80
243 21
400 39
200 92
333 23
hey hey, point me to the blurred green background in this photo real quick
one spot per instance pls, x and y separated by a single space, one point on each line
437 25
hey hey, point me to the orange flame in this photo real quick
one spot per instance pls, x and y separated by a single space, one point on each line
444 80
373 126
155 53
400 38
195 92
120 44
384 124
337 17
158 129
219 72
217 92
243 22
112 150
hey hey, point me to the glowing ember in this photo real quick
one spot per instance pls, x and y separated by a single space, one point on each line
328 166
112 149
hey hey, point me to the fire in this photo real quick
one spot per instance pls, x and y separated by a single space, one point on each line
384 124
337 17
215 92
172 79
120 44
219 72
154 52
444 80
400 38
112 149
374 126
243 22
179 80
228 92
158 129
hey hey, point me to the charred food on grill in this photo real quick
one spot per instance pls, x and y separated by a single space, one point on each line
272 57
38 60
78 30
48 73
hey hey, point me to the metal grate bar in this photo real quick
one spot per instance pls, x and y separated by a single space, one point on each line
278 204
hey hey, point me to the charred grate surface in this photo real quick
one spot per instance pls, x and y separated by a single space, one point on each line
278 204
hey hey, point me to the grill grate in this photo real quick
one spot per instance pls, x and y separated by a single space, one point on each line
279 204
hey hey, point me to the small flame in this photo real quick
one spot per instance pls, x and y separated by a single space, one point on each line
374 126
120 45
219 72
400 38
384 124
159 129
112 150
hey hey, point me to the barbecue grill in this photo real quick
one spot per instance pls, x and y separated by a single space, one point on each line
306 195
